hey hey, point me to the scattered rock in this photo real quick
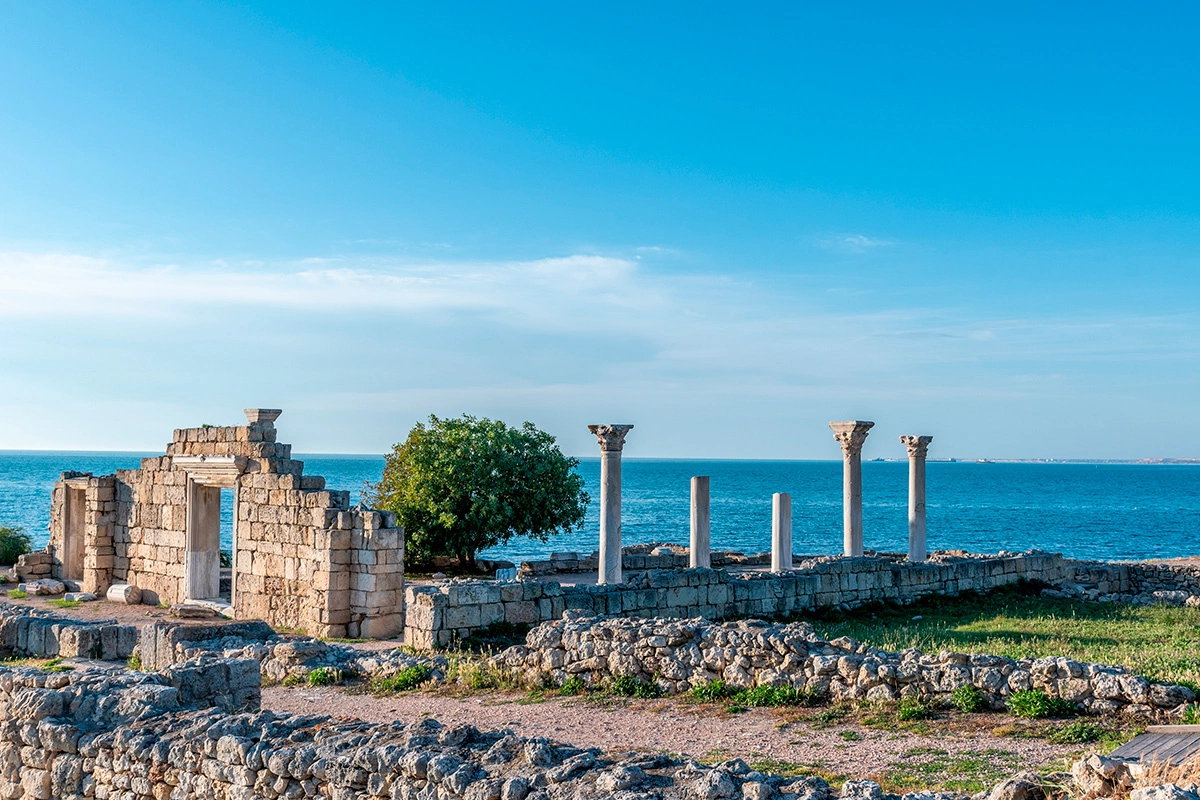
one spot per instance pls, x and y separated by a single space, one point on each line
861 790
1167 791
43 586
192 611
1024 786
79 597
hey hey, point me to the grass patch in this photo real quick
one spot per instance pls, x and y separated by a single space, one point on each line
134 662
18 594
572 687
626 686
56 665
1036 704
478 676
324 676
758 697
405 680
63 603
930 768
1160 642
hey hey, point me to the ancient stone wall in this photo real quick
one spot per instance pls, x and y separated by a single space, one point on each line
437 615
302 558
32 632
110 734
678 655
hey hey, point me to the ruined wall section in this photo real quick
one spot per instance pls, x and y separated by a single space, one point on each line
303 560
100 528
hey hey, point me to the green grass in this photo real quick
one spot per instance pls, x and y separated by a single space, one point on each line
134 662
626 686
17 594
1160 642
403 681
56 665
61 603
931 768
324 676
758 697
1036 704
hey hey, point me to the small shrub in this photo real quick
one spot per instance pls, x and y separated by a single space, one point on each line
134 662
1191 714
1077 732
627 686
713 692
404 680
572 687
910 709
293 679
61 603
478 676
1036 704
774 697
14 542
850 736
226 559
968 699
324 676
18 594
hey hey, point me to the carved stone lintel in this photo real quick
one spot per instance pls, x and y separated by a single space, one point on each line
917 445
610 437
851 435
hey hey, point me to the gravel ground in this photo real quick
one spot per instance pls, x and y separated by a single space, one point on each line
697 731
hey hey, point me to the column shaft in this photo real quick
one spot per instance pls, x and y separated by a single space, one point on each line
851 435
699 554
781 532
611 439
610 516
917 448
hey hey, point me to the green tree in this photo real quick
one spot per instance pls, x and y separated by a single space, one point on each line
13 542
463 485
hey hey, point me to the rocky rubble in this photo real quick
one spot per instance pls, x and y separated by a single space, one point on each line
678 655
278 655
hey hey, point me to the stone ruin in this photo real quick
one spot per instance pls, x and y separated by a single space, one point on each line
302 558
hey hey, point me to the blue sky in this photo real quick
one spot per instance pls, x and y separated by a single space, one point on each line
725 225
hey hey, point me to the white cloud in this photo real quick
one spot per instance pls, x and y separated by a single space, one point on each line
852 243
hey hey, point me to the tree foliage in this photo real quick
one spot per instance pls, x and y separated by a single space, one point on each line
13 542
463 485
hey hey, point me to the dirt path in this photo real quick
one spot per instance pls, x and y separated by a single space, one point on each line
697 731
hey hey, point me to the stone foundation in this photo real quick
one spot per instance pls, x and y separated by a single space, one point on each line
438 615
41 634
679 655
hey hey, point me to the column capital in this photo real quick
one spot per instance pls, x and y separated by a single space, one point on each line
917 445
851 434
610 437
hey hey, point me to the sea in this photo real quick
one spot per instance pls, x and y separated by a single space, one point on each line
1103 511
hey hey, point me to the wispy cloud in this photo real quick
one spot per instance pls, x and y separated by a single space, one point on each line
852 243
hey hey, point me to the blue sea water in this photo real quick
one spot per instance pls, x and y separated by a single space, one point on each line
1110 511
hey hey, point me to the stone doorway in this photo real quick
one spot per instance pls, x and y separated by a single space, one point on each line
212 484
73 533
202 559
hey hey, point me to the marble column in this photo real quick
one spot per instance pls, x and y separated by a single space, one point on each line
781 532
851 435
917 447
612 440
699 555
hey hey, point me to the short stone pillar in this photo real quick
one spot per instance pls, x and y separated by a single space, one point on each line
851 435
698 552
612 440
917 447
781 532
